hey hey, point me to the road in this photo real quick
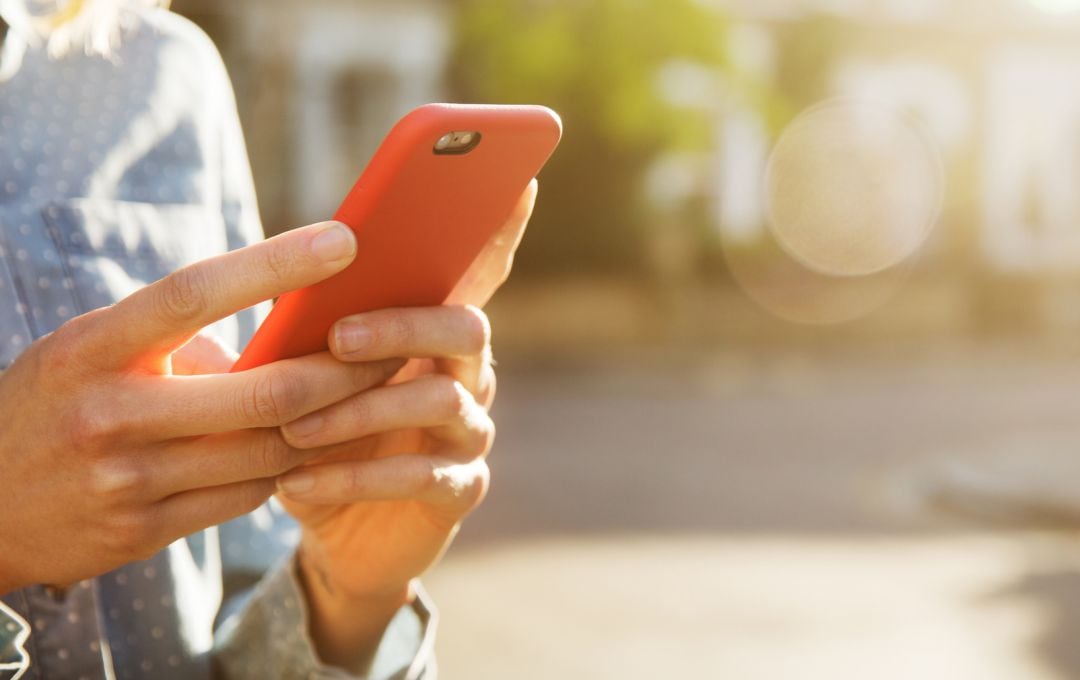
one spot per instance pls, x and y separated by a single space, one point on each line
771 514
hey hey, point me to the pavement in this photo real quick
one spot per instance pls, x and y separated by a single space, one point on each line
774 514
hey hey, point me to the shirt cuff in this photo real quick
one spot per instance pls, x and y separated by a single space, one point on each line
14 661
269 638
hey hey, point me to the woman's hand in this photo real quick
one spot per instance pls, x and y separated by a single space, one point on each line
406 461
108 454
408 464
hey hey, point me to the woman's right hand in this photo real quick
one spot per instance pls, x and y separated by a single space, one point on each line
107 455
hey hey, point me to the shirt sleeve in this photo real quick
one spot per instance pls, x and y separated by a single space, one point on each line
14 661
268 638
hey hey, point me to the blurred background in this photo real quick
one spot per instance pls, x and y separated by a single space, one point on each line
790 362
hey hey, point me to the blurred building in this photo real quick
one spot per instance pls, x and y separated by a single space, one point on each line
995 84
319 83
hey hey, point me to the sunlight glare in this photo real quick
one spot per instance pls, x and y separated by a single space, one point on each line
852 188
1056 6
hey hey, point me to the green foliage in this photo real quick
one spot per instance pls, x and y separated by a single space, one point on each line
596 62
809 51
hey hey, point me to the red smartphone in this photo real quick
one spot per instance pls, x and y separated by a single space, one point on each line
444 180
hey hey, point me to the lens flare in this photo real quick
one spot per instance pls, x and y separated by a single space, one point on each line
852 188
1056 6
790 291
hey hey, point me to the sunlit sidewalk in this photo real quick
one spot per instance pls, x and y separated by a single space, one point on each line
976 606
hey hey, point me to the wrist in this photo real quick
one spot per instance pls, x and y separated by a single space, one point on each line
346 626
319 572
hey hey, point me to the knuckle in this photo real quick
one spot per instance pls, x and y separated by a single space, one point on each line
477 491
485 434
461 486
113 480
478 430
72 346
182 296
59 356
93 422
273 398
130 534
477 333
400 331
272 454
58 352
279 262
361 411
353 481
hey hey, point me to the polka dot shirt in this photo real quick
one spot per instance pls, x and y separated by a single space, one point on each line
113 173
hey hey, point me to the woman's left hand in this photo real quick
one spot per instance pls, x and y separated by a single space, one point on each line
407 462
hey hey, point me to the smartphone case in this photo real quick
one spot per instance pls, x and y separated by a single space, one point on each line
420 219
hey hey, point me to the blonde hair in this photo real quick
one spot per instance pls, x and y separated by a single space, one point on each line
95 26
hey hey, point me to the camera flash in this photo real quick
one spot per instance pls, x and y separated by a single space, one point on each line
456 143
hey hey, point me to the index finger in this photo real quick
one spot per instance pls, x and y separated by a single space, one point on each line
164 315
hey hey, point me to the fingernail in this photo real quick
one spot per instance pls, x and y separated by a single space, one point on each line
296 482
352 336
306 426
334 243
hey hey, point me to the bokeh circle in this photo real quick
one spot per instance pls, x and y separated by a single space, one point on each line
852 188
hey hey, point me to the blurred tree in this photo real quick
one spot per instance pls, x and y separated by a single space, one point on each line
598 63
808 51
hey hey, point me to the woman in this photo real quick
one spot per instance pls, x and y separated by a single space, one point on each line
123 182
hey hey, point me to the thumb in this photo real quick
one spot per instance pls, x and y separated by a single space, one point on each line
491 268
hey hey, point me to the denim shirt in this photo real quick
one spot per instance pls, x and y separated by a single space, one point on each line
114 172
